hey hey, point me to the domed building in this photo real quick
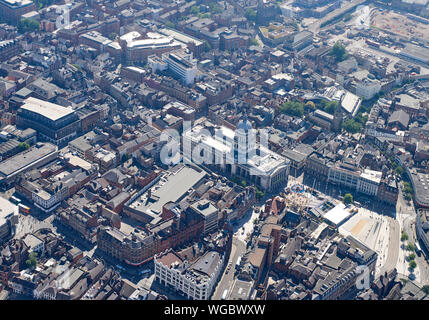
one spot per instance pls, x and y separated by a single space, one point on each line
244 140
236 153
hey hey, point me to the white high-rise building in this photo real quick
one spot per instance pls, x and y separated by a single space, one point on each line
182 64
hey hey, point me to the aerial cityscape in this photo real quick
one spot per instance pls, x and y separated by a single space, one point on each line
214 150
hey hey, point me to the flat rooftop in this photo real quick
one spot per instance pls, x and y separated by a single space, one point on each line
421 187
152 43
338 214
240 290
17 3
371 175
169 258
416 52
184 38
46 109
350 102
207 264
170 188
26 158
7 208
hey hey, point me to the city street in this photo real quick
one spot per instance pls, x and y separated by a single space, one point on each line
406 218
29 224
242 230
227 279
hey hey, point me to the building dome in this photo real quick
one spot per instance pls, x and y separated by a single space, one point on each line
244 125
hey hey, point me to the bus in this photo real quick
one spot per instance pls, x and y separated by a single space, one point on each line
238 261
224 294
15 200
146 271
23 209
418 249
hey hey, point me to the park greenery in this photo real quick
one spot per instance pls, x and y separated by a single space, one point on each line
23 146
259 193
250 15
339 52
352 126
31 262
425 288
170 25
28 25
404 236
410 247
328 106
348 199
292 108
207 46
408 190
254 42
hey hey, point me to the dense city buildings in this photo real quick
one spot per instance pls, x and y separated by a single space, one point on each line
214 150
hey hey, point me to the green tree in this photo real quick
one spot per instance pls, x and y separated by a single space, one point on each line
254 42
215 8
203 15
339 52
404 236
331 106
348 198
361 118
195 10
170 25
125 157
23 146
292 108
250 14
408 188
28 25
399 171
207 46
113 36
425 288
351 126
410 246
31 262
348 17
309 106
259 193
412 264
411 257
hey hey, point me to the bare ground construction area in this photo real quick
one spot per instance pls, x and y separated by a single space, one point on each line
400 24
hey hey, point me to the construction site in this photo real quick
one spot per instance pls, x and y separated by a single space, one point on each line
404 25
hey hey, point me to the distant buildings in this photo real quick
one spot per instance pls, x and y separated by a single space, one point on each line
12 10
8 48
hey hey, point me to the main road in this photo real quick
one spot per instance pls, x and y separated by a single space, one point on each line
315 27
227 279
